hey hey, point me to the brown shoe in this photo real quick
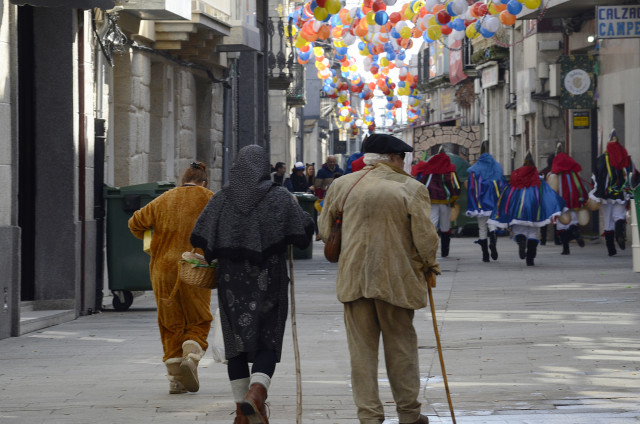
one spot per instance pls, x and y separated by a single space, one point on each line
253 406
240 417
422 419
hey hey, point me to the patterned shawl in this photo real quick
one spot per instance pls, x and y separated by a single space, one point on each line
251 218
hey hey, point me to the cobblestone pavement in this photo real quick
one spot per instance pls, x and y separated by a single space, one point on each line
554 343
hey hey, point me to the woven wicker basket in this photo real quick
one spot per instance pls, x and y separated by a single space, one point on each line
199 274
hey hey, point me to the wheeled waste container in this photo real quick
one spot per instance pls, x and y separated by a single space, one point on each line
127 263
307 202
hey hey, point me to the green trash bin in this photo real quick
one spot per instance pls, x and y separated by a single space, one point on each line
127 263
307 202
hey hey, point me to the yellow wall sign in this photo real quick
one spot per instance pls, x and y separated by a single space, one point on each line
580 120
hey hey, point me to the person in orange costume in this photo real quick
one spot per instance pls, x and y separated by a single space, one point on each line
184 316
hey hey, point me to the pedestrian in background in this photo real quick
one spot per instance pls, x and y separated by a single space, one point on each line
486 181
439 175
297 182
526 204
326 175
278 175
247 227
184 320
382 269
614 179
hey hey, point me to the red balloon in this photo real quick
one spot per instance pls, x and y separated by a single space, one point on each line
394 18
446 30
443 17
379 5
321 3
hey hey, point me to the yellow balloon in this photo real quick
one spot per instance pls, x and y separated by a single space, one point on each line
353 68
384 61
432 21
417 5
408 13
371 18
320 13
532 4
301 42
406 31
333 6
434 32
318 51
471 32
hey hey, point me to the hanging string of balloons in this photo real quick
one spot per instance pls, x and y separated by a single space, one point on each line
382 39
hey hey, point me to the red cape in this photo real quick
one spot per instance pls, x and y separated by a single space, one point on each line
564 163
358 164
525 176
438 164
618 155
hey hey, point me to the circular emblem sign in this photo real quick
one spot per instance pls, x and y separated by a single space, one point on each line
577 82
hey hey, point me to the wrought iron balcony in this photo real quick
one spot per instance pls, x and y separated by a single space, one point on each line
295 92
280 55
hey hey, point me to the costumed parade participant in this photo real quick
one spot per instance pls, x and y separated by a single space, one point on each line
184 315
439 175
526 204
614 178
486 181
565 179
247 226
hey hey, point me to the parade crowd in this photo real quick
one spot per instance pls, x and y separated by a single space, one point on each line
389 224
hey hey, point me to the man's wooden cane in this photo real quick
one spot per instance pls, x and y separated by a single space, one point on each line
431 282
296 351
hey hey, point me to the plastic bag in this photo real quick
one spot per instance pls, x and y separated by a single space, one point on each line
217 344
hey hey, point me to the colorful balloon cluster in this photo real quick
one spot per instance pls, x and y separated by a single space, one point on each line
382 39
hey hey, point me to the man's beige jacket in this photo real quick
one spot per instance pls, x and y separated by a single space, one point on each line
388 240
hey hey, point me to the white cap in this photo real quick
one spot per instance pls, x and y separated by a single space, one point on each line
299 165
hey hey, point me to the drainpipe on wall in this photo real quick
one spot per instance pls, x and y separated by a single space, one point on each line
81 156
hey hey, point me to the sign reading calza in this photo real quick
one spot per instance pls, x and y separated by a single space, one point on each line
618 21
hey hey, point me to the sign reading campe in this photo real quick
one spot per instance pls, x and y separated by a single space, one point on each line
618 21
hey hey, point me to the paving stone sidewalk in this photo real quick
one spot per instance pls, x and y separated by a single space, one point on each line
555 343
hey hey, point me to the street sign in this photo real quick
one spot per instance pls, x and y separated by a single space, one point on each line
618 21
581 120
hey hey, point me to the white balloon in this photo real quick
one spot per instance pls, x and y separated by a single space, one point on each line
390 2
400 25
399 63
316 25
492 24
429 4
349 38
458 35
367 61
353 12
460 6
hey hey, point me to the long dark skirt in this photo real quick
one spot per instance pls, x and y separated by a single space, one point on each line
254 304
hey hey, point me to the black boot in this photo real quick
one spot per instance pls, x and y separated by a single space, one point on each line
543 235
556 236
565 237
621 233
445 238
485 250
522 245
574 233
532 246
611 247
493 240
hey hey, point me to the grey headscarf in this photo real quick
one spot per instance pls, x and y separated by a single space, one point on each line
251 218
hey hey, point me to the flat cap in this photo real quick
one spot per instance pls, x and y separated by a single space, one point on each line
384 144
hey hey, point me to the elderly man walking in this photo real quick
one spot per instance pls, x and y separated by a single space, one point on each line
389 245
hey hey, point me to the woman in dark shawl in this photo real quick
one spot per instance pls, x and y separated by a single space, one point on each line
247 227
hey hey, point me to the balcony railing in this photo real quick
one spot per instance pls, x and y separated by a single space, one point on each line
280 55
295 92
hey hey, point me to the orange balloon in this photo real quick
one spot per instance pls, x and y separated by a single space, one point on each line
361 32
507 18
372 85
324 32
500 7
437 8
392 65
416 32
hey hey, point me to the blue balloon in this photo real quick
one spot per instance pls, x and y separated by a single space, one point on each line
361 45
381 17
514 7
450 9
486 33
395 33
426 38
391 56
402 56
458 24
